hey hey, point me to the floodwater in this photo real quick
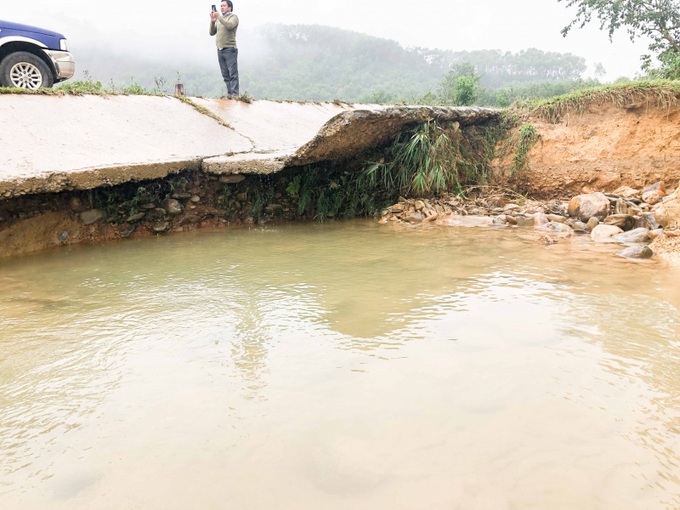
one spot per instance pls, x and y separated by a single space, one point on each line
339 366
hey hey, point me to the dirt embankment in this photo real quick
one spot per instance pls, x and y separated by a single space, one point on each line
600 148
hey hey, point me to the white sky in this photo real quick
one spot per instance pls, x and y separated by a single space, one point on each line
174 26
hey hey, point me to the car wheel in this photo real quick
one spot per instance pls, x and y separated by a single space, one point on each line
25 71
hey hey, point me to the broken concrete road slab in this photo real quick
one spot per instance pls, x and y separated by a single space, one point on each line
54 143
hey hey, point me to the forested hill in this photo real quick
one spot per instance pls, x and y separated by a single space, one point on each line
311 62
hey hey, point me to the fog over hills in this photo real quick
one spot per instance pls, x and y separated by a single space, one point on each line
311 62
176 30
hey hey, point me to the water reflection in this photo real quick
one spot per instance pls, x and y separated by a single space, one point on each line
337 366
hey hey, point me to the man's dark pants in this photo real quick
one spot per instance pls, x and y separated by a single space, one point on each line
228 59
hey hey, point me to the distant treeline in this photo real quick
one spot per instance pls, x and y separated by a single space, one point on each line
317 63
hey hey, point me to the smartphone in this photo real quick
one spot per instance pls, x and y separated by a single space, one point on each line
214 9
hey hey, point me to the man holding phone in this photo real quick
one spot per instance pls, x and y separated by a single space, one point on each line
223 25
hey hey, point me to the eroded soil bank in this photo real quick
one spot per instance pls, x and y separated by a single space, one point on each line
599 146
603 146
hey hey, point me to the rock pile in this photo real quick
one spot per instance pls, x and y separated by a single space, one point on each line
630 217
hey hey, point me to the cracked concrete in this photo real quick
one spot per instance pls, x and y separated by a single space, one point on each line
58 143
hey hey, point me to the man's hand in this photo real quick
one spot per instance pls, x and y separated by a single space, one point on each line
213 16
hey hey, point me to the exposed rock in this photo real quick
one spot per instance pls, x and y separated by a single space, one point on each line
232 178
541 219
161 227
430 214
637 251
626 192
592 223
556 218
396 208
546 239
189 218
646 220
654 193
604 233
525 221
172 206
77 205
91 216
414 217
638 235
654 233
135 217
127 229
623 221
589 205
579 226
668 212
561 228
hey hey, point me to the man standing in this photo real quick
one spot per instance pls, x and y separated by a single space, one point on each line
224 25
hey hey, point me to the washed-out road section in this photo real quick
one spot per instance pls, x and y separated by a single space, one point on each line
56 143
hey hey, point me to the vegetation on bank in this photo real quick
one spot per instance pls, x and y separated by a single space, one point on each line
630 95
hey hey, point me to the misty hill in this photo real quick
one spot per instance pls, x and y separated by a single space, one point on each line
311 62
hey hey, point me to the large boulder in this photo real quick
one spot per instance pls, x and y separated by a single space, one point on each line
588 206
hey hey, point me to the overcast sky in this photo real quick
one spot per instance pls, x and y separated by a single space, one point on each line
172 27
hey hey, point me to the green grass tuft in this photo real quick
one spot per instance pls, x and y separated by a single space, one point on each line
653 93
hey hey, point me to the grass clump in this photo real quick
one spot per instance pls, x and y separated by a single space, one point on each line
245 98
652 93
432 159
527 138
79 88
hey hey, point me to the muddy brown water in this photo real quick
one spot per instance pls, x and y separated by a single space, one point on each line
339 366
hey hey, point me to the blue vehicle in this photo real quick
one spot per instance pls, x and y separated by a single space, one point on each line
32 57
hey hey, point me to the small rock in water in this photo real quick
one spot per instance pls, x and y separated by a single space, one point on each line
638 251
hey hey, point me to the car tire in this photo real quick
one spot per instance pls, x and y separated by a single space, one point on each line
25 70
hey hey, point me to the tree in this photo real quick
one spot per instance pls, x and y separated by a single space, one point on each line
659 20
460 86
